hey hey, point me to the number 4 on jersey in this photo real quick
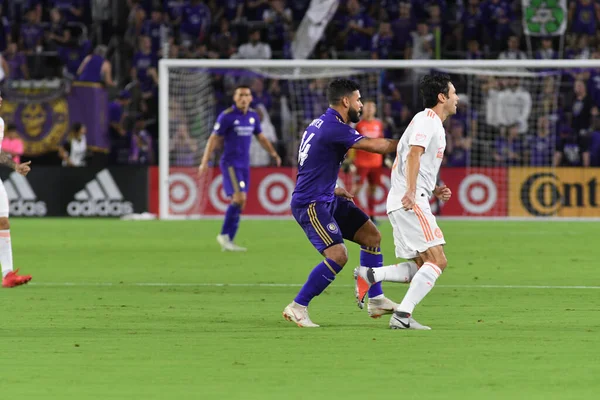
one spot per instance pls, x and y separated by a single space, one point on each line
304 148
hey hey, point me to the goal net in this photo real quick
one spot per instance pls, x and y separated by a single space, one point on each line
501 144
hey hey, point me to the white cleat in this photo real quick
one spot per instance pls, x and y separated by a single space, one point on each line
227 244
361 286
402 320
379 307
299 315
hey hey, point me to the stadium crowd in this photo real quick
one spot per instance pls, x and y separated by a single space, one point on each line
118 44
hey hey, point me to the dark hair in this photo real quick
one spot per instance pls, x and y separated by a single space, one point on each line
241 86
431 86
11 127
339 88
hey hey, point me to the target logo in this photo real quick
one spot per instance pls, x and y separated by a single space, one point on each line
216 194
183 192
477 193
275 193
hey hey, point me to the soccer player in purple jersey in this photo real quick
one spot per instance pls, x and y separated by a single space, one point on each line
327 214
233 132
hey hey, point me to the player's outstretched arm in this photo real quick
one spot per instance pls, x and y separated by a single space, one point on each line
376 145
266 144
214 141
23 169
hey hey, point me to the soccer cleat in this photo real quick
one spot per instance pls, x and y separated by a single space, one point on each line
403 320
379 307
361 287
13 279
299 315
227 244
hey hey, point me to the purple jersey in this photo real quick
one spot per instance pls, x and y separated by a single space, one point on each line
237 129
322 150
584 20
142 62
92 70
65 6
196 19
541 150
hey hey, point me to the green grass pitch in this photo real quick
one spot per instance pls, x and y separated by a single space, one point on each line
133 310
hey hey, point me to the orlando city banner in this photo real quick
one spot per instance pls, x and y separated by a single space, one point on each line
44 114
544 17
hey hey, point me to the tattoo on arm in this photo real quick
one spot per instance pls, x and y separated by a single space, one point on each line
6 159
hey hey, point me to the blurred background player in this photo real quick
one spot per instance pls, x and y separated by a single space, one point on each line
416 233
369 165
233 133
327 214
10 278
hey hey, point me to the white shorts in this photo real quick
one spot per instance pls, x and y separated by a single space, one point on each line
3 201
416 230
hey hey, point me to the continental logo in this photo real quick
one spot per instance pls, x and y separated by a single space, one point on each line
565 192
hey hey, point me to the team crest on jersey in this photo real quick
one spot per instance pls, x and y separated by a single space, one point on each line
440 152
331 227
438 233
42 125
420 137
252 120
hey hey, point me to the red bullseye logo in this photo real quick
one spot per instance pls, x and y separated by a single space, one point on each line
477 193
183 192
275 193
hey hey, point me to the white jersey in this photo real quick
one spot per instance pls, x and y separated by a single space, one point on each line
425 130
1 132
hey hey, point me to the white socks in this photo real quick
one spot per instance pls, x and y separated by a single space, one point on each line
421 284
403 272
6 259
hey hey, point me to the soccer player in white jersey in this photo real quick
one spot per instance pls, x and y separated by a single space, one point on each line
417 236
10 278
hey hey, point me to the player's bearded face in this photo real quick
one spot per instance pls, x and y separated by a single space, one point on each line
355 108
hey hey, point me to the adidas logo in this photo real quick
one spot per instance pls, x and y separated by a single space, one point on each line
101 197
22 198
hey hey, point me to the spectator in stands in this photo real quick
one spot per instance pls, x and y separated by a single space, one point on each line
255 9
12 143
514 105
225 41
32 34
96 68
382 43
195 23
174 10
135 22
254 49
233 10
71 9
581 109
145 71
541 144
260 95
154 27
471 26
497 16
278 19
57 34
513 52
17 63
420 48
141 145
120 138
73 55
546 50
582 51
73 151
593 77
595 141
458 147
4 68
102 16
402 26
508 148
473 52
584 16
5 29
572 149
358 30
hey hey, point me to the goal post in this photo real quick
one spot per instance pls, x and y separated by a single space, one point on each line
501 99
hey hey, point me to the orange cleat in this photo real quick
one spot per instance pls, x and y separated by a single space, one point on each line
12 279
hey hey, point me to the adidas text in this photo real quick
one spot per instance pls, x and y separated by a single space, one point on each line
26 208
22 198
103 208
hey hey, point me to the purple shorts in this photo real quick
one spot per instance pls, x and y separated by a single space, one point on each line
235 179
329 223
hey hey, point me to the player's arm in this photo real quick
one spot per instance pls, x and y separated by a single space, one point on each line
268 146
214 141
6 159
376 145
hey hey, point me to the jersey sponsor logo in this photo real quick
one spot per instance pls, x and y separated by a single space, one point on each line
101 197
23 201
420 137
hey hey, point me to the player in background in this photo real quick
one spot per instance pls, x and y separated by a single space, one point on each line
233 132
416 234
10 278
369 165
327 214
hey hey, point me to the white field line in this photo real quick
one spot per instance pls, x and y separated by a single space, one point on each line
164 284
